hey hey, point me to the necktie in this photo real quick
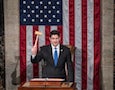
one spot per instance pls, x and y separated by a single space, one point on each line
55 56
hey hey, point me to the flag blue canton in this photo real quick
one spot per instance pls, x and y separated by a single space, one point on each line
41 12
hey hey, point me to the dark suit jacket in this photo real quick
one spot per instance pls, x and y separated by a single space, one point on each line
49 68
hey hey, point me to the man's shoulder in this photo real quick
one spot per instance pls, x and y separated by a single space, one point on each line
64 46
45 46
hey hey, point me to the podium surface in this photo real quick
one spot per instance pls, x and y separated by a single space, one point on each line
47 85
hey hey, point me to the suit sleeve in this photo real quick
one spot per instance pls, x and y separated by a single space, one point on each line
38 57
70 67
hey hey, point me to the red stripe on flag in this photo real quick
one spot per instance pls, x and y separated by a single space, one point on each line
35 66
71 23
22 54
47 34
84 44
97 44
72 26
60 29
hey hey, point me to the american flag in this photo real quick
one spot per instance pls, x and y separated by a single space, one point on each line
78 21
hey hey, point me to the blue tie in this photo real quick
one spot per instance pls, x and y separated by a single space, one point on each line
55 56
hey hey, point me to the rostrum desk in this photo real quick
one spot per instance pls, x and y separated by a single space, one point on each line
47 86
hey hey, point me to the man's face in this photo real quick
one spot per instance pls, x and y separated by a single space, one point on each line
55 40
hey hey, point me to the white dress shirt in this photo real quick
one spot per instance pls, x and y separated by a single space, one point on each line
53 49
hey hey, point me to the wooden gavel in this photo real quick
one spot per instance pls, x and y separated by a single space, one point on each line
38 34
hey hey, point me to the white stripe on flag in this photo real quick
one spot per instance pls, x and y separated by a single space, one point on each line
41 43
90 69
53 28
29 44
42 37
78 44
65 22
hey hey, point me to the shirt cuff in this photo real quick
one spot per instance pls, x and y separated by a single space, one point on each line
33 56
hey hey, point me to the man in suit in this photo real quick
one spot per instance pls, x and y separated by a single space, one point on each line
52 68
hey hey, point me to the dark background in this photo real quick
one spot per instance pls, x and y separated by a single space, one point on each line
2 48
1 18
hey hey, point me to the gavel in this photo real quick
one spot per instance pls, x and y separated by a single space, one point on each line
38 34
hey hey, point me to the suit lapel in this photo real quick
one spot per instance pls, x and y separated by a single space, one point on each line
61 51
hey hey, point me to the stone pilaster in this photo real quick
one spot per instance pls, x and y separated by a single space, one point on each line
11 19
107 43
114 47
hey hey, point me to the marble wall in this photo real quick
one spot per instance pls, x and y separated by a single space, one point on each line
11 25
107 19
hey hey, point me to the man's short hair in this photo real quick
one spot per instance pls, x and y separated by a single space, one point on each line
54 32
